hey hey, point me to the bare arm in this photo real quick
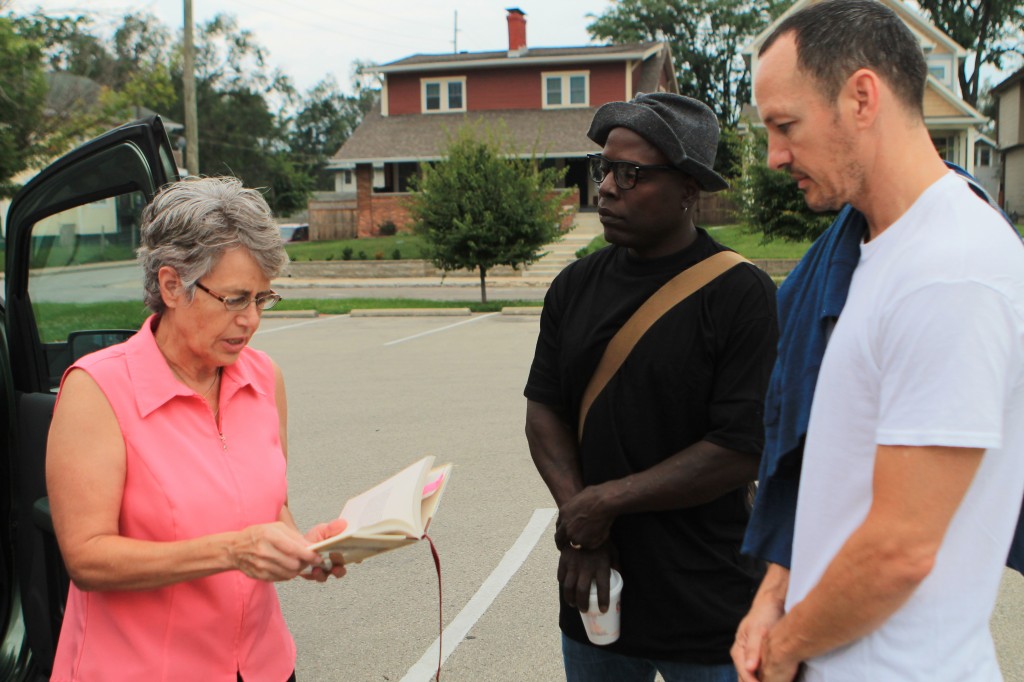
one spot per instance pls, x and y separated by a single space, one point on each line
554 451
768 608
691 477
85 475
321 531
696 475
916 492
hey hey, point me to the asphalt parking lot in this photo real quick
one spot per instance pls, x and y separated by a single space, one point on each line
368 396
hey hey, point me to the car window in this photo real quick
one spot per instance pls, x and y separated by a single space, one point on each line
83 276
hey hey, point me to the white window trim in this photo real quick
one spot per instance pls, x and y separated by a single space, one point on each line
444 94
565 76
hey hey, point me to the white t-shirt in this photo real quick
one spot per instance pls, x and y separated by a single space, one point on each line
929 350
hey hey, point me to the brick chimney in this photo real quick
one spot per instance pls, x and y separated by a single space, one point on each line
516 31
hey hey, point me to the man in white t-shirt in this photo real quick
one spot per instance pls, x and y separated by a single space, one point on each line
913 466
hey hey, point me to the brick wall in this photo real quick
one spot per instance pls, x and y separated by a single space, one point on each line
570 204
376 209
509 88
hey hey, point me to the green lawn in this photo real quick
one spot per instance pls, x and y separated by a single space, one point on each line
408 246
750 245
56 320
341 306
738 238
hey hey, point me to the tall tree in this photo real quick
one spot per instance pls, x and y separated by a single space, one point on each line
242 127
69 45
706 38
325 119
22 96
482 206
991 30
94 84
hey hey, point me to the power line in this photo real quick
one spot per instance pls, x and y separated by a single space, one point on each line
316 23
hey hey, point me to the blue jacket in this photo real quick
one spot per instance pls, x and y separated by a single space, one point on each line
809 302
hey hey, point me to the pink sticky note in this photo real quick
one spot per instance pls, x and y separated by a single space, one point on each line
430 488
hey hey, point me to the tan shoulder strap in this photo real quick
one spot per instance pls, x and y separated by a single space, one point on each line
661 301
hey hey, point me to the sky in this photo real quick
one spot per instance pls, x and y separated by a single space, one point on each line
311 39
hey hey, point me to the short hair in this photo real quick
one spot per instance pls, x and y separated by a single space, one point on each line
191 223
834 38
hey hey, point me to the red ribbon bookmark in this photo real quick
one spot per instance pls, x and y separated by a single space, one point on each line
440 618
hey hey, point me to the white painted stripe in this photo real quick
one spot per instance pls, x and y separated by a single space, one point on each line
426 667
440 329
326 318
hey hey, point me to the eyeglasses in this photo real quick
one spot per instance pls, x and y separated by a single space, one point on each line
625 173
237 303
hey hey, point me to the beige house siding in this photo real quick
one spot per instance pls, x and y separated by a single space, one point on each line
1013 165
1010 120
951 121
935 105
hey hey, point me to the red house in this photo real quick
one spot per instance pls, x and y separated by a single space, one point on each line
544 98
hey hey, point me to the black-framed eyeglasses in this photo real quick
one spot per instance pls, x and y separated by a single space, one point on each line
625 173
236 303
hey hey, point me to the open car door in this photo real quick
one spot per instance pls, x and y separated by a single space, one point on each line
70 242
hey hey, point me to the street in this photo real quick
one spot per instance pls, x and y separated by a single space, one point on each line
368 396
122 281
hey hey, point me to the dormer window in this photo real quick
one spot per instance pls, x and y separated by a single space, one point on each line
442 95
566 89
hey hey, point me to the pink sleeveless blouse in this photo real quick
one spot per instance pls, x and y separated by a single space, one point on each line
185 479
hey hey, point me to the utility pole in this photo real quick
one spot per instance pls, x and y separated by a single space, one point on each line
455 34
189 82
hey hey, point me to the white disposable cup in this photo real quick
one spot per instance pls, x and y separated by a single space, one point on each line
603 628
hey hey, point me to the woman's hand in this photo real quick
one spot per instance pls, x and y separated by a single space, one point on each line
319 532
271 552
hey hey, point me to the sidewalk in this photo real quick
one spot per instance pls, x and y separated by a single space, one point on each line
537 275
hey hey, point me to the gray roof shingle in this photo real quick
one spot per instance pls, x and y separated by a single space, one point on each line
419 137
532 55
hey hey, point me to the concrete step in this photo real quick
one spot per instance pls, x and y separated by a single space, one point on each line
562 252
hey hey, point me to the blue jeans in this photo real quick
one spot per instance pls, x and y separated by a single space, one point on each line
585 663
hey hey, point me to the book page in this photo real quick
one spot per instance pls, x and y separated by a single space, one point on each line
438 479
391 507
354 549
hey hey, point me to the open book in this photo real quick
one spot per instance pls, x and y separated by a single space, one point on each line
390 515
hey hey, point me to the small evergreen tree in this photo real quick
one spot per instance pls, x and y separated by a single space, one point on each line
482 206
769 201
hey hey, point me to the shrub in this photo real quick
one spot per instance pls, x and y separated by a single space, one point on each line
484 205
346 253
361 255
396 254
770 202
595 244
379 255
387 228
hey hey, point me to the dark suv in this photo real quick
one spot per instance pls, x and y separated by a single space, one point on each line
73 226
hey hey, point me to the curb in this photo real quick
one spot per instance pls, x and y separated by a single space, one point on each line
526 310
410 312
291 313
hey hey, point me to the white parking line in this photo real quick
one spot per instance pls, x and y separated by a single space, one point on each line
426 667
302 324
440 329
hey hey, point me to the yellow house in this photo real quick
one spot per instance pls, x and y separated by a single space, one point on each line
952 122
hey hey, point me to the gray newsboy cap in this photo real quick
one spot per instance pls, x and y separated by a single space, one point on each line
682 128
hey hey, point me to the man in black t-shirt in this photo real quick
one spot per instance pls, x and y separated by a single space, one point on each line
657 485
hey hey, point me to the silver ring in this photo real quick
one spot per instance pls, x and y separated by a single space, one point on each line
574 545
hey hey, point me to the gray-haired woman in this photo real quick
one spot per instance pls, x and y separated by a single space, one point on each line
166 463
